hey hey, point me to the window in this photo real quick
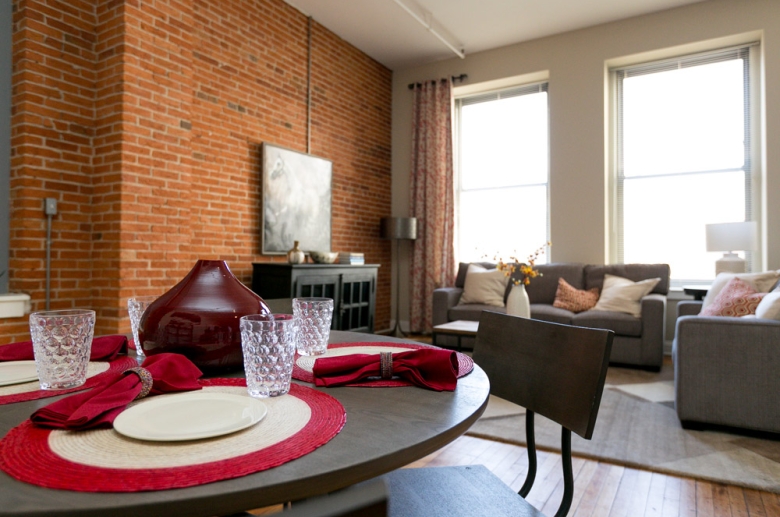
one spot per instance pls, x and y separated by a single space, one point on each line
501 173
684 157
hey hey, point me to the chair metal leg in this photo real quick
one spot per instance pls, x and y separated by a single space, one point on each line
568 476
530 440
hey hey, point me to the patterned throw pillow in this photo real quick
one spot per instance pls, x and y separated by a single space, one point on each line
573 299
737 298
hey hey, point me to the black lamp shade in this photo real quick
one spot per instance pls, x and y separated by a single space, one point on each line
399 228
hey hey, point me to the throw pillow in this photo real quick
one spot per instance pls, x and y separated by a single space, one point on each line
620 294
484 286
575 300
737 298
761 282
769 308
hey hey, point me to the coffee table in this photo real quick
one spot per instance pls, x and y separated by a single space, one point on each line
386 428
458 328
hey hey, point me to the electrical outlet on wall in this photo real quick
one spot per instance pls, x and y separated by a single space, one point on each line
50 206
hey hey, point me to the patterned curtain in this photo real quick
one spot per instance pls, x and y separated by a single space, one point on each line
432 198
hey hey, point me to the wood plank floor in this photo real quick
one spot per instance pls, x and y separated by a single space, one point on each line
602 489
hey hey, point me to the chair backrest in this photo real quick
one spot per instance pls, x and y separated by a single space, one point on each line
279 305
551 369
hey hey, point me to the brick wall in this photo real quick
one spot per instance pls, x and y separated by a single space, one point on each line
145 119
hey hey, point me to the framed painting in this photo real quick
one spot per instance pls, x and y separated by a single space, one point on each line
297 196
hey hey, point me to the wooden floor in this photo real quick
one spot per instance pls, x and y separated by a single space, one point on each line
602 489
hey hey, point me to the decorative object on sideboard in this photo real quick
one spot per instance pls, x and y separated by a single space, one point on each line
295 255
731 237
324 257
297 197
352 257
398 229
199 317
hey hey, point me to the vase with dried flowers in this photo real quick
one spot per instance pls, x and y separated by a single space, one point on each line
520 274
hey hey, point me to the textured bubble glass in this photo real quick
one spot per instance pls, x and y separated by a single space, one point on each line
135 308
62 341
268 343
314 315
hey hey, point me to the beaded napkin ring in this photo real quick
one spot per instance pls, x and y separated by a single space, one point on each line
386 364
146 380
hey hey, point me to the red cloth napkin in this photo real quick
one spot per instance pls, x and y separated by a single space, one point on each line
104 348
99 406
432 368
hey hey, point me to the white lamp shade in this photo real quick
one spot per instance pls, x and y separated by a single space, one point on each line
732 236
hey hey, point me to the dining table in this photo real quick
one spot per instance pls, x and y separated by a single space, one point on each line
385 429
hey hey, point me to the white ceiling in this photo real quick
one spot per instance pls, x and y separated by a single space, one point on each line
386 32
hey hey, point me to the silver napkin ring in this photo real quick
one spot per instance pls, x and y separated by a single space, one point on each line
146 380
386 364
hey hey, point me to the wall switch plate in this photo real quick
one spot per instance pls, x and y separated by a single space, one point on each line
50 206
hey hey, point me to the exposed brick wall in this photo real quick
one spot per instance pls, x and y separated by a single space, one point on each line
145 119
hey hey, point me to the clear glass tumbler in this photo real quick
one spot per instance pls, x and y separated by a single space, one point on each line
135 308
62 342
268 343
315 316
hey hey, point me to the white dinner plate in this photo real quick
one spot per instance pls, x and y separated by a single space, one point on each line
17 372
189 416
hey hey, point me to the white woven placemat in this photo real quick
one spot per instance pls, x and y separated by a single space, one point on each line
94 368
306 362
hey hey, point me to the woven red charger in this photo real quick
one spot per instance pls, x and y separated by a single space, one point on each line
119 364
465 364
25 454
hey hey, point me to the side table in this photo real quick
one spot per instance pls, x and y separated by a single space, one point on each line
697 291
458 328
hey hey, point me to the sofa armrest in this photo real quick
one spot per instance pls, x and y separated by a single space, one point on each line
444 298
689 308
725 371
653 329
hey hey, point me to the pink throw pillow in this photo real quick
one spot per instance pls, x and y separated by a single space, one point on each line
738 298
575 300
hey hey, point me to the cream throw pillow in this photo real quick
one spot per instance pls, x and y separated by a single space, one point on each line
769 307
761 282
622 295
484 286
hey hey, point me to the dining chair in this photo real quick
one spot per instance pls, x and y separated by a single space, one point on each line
279 305
555 370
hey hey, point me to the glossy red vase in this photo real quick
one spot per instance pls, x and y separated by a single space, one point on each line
199 318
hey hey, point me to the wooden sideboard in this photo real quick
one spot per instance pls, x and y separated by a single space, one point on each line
352 287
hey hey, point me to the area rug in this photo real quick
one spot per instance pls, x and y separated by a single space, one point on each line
645 433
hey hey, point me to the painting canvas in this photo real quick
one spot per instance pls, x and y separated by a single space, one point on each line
296 200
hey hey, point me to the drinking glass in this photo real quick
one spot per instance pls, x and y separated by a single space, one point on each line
62 342
268 343
314 315
135 308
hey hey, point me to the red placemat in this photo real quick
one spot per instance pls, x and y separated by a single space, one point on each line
119 364
26 453
304 373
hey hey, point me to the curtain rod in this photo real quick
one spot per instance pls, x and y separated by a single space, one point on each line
454 78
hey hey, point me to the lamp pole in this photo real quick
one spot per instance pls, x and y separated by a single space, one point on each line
398 228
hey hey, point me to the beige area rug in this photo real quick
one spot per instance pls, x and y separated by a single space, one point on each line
638 427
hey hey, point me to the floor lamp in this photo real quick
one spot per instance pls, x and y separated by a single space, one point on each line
398 229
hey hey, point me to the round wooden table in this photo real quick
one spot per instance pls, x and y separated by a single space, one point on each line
386 428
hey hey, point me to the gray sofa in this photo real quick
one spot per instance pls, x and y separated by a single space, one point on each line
638 341
726 370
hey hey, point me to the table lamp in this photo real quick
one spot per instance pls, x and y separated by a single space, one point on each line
398 229
730 237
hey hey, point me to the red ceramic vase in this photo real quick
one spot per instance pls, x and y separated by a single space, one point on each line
199 318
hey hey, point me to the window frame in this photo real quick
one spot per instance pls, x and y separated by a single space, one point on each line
538 85
753 179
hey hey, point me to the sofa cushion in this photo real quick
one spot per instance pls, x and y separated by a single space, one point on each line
463 269
762 282
619 322
594 275
738 298
484 286
542 289
573 299
470 312
542 311
769 308
622 295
